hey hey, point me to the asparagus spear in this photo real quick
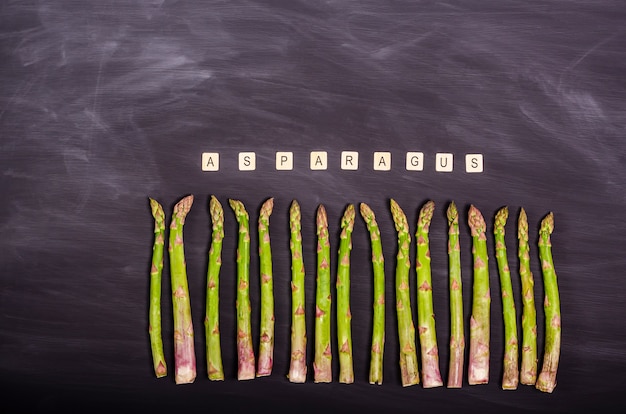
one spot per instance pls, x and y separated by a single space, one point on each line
528 374
409 368
184 353
323 356
266 346
245 352
297 367
431 376
552 309
481 303
457 335
511 373
215 369
378 265
344 317
156 270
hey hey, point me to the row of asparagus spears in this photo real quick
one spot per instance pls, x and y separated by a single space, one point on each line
479 353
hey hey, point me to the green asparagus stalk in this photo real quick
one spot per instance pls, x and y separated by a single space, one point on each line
457 335
481 302
215 369
431 376
156 270
511 373
552 309
184 353
297 366
409 368
245 352
528 374
344 316
378 265
266 345
322 364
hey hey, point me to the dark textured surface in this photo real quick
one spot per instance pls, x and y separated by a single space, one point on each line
103 104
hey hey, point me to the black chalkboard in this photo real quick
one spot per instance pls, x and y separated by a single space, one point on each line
104 104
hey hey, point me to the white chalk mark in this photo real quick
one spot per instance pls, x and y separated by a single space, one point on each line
94 105
95 122
385 51
584 56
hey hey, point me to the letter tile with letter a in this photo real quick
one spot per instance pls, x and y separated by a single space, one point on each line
382 161
210 161
319 160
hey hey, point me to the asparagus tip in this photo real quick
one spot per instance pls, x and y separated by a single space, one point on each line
522 226
294 216
213 201
267 207
238 207
547 224
476 221
217 218
322 217
294 208
157 210
181 209
399 218
234 204
366 211
426 215
215 208
452 213
522 212
501 217
347 220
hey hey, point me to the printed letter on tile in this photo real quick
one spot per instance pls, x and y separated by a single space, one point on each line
415 161
444 162
319 160
284 160
474 163
382 161
210 161
349 160
247 161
